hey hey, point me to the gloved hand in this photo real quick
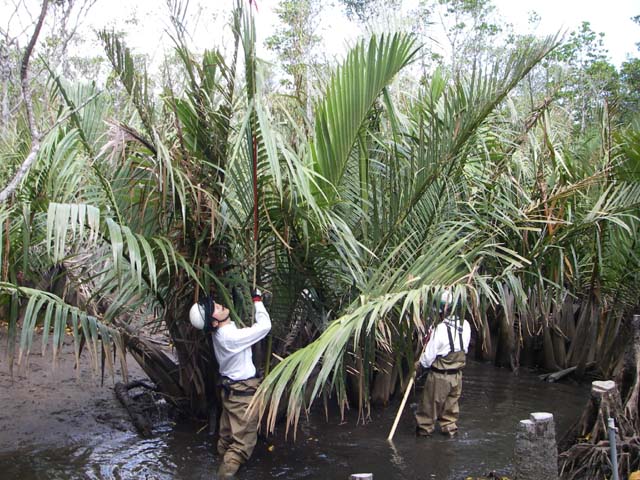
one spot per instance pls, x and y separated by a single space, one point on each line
256 295
427 337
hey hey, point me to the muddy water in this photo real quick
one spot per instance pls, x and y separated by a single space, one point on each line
493 403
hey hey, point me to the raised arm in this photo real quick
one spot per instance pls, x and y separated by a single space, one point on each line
245 337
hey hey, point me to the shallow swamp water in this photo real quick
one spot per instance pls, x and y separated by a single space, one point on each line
493 402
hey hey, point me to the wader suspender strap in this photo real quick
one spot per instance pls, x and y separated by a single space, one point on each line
459 328
451 348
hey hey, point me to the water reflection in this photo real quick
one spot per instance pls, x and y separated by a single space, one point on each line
492 403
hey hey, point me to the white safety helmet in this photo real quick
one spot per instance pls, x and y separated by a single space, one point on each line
196 316
446 298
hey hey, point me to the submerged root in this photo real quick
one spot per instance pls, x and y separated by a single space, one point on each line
587 460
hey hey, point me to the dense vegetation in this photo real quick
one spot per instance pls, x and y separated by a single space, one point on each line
352 194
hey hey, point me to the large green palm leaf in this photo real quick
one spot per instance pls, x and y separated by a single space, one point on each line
368 69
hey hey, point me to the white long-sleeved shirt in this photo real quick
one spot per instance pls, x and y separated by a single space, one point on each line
232 345
438 344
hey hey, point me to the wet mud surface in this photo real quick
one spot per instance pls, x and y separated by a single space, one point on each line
42 406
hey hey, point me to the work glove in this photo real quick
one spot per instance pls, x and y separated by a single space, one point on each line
427 337
256 295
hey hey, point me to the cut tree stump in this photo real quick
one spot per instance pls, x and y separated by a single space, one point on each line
535 452
585 448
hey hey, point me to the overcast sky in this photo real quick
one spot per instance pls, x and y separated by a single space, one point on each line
613 17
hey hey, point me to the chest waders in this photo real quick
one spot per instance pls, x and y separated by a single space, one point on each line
454 361
238 432
442 389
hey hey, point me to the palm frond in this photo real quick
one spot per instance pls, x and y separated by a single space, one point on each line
58 316
135 83
320 363
355 86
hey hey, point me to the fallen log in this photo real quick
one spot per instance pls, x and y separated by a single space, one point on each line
560 374
138 417
555 376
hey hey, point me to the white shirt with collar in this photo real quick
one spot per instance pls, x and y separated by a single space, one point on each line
232 345
438 344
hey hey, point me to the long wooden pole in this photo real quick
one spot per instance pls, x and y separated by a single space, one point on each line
255 210
404 401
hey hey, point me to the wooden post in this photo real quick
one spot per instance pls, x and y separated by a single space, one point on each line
536 452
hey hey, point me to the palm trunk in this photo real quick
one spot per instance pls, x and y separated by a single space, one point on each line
559 348
628 375
485 348
506 351
384 381
528 353
548 353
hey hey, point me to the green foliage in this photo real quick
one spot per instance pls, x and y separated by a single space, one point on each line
135 83
630 89
470 28
294 42
349 98
472 177
365 10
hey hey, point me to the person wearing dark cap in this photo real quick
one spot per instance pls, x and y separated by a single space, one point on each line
444 356
232 348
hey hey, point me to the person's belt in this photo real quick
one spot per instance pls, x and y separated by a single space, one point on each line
227 385
238 393
451 371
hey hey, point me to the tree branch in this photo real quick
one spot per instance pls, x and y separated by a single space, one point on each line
24 72
26 94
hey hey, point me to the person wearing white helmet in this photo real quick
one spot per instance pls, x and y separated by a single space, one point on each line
238 432
444 357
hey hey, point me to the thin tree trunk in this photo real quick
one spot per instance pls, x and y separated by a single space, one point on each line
579 348
5 77
5 104
506 343
26 94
